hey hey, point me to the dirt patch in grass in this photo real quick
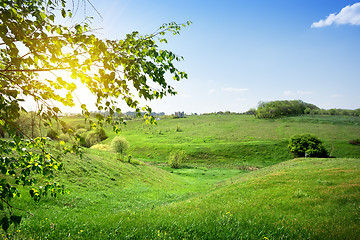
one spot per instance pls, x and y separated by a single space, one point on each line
248 168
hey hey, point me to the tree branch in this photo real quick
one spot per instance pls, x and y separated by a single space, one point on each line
11 206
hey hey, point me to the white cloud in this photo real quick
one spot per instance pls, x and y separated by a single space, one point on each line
347 15
185 95
292 93
230 89
211 91
305 92
288 93
240 99
336 96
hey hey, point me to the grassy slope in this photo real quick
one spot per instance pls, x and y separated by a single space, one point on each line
101 186
297 199
111 199
235 140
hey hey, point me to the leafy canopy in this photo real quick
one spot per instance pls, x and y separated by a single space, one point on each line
275 109
32 43
307 145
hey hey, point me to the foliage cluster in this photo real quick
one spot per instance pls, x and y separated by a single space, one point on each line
333 111
119 144
90 138
307 145
176 158
20 163
274 109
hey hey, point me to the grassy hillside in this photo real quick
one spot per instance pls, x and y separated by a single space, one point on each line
237 140
216 195
297 199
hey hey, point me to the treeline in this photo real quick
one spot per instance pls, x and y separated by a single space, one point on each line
334 111
275 109
30 125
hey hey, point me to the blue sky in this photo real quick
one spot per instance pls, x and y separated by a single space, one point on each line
238 53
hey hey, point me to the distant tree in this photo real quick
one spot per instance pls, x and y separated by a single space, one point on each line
251 111
274 109
31 42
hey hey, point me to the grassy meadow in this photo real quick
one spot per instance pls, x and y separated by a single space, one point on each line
238 181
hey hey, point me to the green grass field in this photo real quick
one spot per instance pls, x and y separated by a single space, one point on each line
238 182
236 140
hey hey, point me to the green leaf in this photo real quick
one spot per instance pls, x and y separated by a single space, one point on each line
5 223
15 219
42 16
63 13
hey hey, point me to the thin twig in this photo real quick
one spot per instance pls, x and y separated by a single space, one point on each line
3 200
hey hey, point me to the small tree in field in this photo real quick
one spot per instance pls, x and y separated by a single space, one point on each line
176 158
307 145
119 144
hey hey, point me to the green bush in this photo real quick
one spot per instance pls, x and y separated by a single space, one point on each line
119 144
81 131
307 145
64 137
101 133
52 134
92 138
176 158
80 134
82 141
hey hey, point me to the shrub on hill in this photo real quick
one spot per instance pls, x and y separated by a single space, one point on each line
307 145
81 131
90 138
119 144
101 133
64 137
176 158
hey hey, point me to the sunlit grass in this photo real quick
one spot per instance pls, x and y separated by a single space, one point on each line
236 183
234 139
302 199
